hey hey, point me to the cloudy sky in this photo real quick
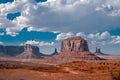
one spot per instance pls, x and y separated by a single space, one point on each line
46 22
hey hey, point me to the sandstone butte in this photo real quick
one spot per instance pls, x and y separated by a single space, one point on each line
74 49
27 54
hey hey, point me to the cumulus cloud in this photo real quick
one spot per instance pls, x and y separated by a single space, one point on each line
82 34
39 43
102 39
2 34
61 15
104 35
116 39
1 43
104 8
62 36
115 13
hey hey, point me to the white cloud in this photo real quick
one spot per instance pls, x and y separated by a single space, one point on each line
116 39
115 13
82 34
1 43
94 36
62 36
39 43
98 36
104 8
61 15
105 35
2 34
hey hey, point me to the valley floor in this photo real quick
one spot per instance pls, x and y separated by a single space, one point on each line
75 70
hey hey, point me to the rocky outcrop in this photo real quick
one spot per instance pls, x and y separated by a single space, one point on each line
2 50
55 52
74 44
98 52
17 50
11 50
27 54
74 49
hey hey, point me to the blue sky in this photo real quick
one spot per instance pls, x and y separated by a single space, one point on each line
45 23
5 1
24 35
12 16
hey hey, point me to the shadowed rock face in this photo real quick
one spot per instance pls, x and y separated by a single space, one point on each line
16 50
74 44
27 52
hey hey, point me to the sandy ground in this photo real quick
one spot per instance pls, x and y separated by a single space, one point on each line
23 74
37 69
76 70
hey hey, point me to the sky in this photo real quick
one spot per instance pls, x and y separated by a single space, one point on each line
45 23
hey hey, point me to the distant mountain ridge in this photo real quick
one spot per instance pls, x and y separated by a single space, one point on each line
12 51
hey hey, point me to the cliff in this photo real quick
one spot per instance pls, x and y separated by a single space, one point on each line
28 53
99 52
16 50
74 49
74 44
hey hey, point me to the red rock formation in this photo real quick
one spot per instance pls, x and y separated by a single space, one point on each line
74 49
74 44
27 54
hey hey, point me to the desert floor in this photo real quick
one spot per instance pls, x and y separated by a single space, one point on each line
76 70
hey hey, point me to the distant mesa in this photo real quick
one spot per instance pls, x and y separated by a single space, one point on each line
13 51
27 54
74 48
98 52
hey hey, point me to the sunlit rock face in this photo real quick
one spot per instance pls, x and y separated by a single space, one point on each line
74 44
74 49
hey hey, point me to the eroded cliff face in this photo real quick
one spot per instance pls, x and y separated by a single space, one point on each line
28 53
74 44
16 50
74 49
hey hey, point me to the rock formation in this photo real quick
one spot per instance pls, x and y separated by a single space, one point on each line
27 54
2 50
73 49
98 52
75 44
54 53
12 51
